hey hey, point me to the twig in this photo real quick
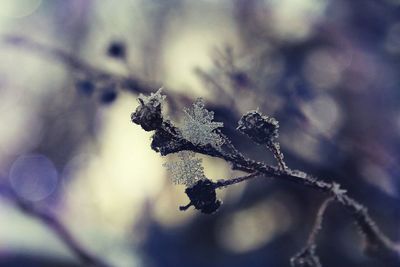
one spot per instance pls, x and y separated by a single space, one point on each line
225 183
59 229
130 83
275 148
318 222
376 243
307 256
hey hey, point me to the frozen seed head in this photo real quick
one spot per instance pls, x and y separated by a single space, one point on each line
261 129
203 197
198 126
149 113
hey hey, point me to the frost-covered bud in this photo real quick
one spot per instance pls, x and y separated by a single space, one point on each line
203 197
261 129
148 114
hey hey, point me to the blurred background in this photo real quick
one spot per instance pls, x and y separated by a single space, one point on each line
70 73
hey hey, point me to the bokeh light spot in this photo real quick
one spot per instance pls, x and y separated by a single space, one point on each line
324 114
392 42
324 68
252 228
33 177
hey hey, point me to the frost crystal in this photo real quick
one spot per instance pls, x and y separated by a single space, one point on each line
198 127
154 98
187 171
337 191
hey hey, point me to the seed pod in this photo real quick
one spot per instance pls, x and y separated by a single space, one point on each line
149 114
203 197
261 129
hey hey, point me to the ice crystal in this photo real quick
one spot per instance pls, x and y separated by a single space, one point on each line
154 98
198 127
338 191
188 170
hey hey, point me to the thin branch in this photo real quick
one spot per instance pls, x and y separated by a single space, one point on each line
307 256
59 229
318 222
275 148
226 183
376 243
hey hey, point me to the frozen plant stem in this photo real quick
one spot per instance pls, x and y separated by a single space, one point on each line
226 183
318 222
307 256
278 155
262 130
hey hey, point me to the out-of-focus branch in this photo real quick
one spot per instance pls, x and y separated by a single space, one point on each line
51 221
130 83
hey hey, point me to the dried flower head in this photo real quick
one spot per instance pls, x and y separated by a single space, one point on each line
203 197
149 113
261 129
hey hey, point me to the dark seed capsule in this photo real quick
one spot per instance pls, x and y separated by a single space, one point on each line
117 50
203 197
148 114
261 129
